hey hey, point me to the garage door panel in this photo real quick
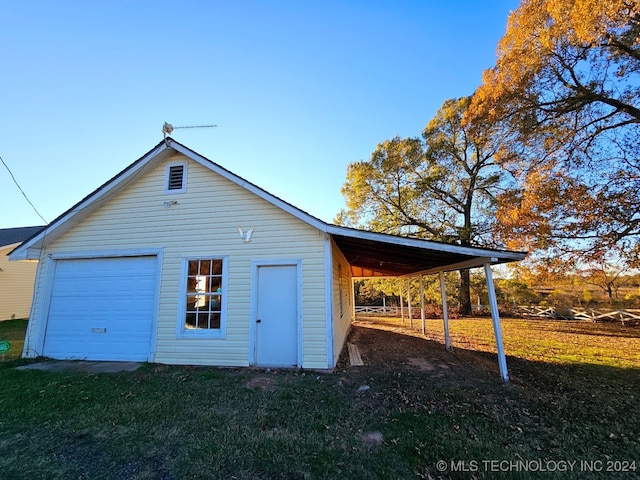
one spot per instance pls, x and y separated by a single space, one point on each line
102 309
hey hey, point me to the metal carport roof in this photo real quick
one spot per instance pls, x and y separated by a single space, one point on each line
373 254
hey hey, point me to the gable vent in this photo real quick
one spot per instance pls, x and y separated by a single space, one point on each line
176 177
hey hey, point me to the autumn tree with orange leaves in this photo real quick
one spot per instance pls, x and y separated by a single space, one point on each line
566 89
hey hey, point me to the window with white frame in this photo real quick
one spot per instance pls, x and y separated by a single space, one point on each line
204 295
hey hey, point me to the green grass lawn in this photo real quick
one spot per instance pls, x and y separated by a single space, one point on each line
574 398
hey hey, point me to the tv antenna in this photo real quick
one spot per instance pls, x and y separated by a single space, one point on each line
167 128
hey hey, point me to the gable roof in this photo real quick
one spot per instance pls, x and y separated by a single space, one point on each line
369 253
9 236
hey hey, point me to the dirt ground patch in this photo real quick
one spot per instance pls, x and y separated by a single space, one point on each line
386 343
82 366
425 365
265 384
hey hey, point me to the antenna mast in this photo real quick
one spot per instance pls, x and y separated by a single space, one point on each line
167 128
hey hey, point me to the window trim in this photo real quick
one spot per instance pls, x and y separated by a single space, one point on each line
167 169
181 331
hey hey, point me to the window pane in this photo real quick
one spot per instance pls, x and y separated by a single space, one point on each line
201 283
205 267
215 284
203 320
216 268
215 320
193 267
191 284
192 302
215 302
190 320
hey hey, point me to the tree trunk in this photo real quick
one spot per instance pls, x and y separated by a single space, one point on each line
464 292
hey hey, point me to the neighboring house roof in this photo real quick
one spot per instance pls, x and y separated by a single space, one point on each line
369 253
9 236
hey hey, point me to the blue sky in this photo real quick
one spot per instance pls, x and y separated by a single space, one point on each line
298 89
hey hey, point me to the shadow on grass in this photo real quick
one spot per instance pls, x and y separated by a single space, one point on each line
548 410
384 350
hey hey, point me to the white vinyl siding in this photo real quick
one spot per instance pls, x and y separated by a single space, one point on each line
204 224
342 301
16 285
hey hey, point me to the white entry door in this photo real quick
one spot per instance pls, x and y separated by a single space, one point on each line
277 316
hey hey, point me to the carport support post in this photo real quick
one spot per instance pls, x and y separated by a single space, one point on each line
353 298
422 305
495 316
409 302
445 312
401 303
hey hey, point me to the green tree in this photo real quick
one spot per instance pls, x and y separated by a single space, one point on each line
566 91
441 187
515 292
479 291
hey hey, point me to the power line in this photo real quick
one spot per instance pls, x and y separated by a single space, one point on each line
22 191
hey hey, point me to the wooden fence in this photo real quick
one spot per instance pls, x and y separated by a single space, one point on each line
380 310
626 317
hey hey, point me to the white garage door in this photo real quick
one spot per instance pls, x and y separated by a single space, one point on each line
102 309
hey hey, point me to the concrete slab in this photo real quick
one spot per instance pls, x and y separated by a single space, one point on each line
82 366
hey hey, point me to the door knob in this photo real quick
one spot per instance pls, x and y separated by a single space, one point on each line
258 321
